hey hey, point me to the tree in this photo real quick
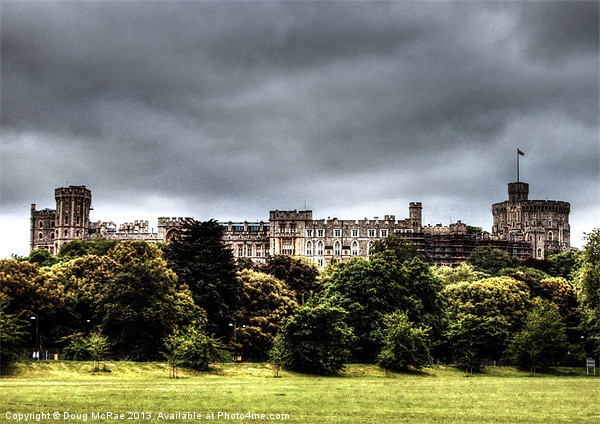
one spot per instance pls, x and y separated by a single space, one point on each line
404 344
587 285
543 340
502 297
458 274
203 262
98 346
369 290
41 257
490 260
264 301
473 338
139 303
12 331
315 340
299 274
192 347
564 264
404 249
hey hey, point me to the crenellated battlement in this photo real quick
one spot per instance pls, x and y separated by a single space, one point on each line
173 222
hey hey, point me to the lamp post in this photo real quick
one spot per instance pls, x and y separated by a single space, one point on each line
36 351
234 325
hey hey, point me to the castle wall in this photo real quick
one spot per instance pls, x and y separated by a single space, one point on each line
522 227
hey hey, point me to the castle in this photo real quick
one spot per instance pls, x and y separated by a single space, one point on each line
524 228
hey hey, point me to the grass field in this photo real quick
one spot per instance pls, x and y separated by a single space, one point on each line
362 394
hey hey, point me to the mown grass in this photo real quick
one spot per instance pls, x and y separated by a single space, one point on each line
361 394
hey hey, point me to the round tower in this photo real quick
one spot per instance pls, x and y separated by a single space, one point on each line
73 205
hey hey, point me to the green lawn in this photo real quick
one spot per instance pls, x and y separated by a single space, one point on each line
362 394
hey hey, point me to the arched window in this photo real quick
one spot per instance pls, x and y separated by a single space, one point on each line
320 248
309 248
40 236
539 253
354 248
77 233
52 236
41 224
369 248
549 235
66 233
337 248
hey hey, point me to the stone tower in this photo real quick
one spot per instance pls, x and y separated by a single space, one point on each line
72 221
415 210
542 223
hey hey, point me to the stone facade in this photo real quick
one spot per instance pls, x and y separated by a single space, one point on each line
522 227
544 224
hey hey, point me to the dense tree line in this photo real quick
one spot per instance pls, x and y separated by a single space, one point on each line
190 303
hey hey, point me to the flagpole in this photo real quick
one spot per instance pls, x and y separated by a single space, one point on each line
517 165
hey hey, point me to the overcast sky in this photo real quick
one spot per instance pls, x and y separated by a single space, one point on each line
227 110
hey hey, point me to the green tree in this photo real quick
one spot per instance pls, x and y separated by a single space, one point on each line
502 297
203 262
543 340
264 301
490 260
12 331
404 249
458 274
42 257
299 274
369 290
76 348
473 338
97 346
404 344
587 286
192 347
564 264
315 340
139 303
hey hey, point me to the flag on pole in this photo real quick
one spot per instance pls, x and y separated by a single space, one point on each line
520 152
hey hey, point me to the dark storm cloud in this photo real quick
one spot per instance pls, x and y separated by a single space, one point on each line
265 104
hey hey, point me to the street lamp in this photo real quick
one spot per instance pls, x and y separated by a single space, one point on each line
234 325
36 351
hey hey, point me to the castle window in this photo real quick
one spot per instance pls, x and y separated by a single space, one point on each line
354 233
369 248
287 248
371 233
41 224
354 248
539 253
66 233
259 250
309 248
337 248
309 233
52 236
549 235
52 224
40 236
240 251
77 233
321 233
384 233
337 233
320 248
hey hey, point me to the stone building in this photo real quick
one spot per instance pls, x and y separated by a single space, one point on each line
543 224
522 227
